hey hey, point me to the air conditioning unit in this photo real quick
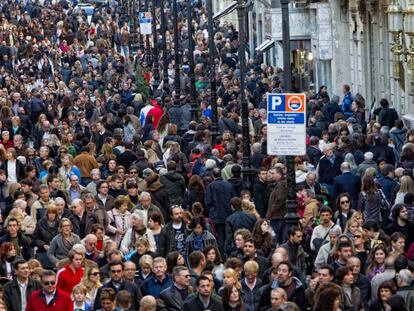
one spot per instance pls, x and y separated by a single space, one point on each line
408 120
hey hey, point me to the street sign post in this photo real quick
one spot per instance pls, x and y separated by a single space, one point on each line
145 23
286 124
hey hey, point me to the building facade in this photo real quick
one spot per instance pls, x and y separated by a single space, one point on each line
336 42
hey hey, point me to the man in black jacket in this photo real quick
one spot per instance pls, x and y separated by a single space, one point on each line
313 152
12 290
13 233
174 296
204 300
260 192
117 283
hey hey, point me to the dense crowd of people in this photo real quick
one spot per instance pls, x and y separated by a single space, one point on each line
113 198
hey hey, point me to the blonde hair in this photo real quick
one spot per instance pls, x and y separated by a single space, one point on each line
249 208
86 282
407 185
251 266
231 273
145 260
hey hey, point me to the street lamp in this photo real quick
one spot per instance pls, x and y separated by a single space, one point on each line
291 216
164 49
211 50
176 56
395 27
156 81
141 36
194 110
147 39
246 169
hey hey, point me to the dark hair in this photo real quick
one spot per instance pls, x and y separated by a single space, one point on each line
123 298
328 295
341 273
386 284
196 182
395 236
115 263
18 262
195 259
327 267
171 259
325 209
107 293
156 217
207 249
201 278
292 230
400 262
195 221
236 203
342 245
371 224
396 210
225 296
288 264
397 303
262 240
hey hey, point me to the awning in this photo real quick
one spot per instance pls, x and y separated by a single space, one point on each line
227 10
266 45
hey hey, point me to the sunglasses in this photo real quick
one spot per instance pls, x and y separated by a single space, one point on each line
49 283
94 273
133 172
63 151
343 202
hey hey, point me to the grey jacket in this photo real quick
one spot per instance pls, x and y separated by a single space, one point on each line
58 250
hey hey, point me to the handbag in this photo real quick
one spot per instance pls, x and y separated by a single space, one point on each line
385 205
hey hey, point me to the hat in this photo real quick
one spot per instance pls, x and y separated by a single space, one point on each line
146 172
210 164
351 120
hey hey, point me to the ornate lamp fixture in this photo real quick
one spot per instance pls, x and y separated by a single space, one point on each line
395 27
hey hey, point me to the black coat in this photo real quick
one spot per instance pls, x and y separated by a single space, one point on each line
238 220
11 293
217 200
193 303
20 171
160 198
328 171
128 286
83 227
347 182
260 197
43 235
191 196
174 184
171 299
126 159
314 154
24 244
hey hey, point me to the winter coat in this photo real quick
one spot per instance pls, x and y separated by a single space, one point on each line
160 198
277 201
125 285
87 221
260 197
314 154
44 234
388 186
238 220
167 239
23 243
194 303
171 299
386 116
217 200
116 220
11 293
370 205
251 297
174 184
364 166
191 196
398 137
60 302
328 171
58 249
347 183
208 240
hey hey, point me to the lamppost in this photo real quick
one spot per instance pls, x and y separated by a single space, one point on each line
134 34
164 49
194 110
156 81
147 38
247 172
211 50
291 216
141 36
176 50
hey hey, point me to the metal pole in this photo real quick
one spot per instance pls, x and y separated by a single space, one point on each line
141 37
176 50
247 172
211 50
164 49
147 39
291 216
194 110
156 81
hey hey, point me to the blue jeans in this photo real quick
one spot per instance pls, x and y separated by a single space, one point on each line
280 229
